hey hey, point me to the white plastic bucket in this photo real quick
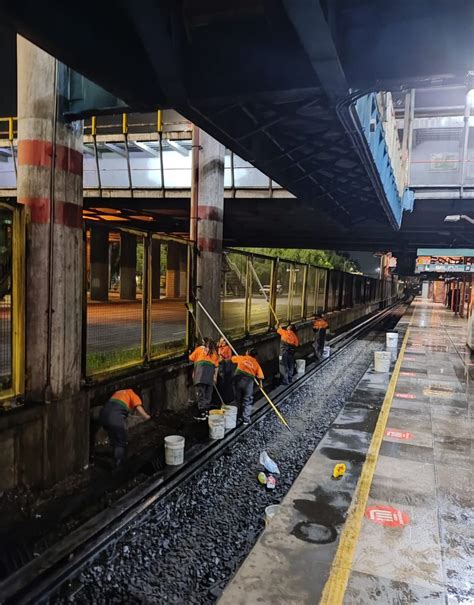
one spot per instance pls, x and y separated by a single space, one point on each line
174 450
382 361
326 352
230 416
270 512
300 366
391 340
216 422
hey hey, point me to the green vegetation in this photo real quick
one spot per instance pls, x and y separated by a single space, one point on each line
322 258
107 361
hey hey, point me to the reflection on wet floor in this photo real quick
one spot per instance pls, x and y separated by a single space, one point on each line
425 471
416 541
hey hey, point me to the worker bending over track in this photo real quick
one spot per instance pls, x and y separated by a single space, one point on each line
206 363
320 326
225 380
113 417
288 343
248 370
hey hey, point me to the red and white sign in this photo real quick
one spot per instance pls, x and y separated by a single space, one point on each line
408 374
409 358
405 396
398 434
387 516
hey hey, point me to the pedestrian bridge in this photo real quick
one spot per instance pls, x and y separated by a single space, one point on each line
275 83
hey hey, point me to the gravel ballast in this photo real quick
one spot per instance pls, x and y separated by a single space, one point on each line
187 547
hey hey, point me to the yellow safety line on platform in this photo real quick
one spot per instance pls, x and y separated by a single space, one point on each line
335 588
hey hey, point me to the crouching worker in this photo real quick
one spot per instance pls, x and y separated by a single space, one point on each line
288 343
206 363
248 369
320 326
113 417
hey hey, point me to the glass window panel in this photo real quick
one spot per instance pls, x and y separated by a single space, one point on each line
114 299
146 170
259 309
169 283
234 275
311 291
250 177
321 300
6 278
284 272
177 168
297 295
90 177
113 166
7 170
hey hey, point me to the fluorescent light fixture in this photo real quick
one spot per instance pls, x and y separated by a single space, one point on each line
454 218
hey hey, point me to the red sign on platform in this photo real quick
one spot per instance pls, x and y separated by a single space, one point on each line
409 358
405 396
387 516
398 434
414 374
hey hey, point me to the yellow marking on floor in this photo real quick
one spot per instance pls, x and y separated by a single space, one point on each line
335 588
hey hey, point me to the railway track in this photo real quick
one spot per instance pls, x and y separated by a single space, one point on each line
43 576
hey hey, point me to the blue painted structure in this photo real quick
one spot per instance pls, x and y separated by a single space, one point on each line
372 127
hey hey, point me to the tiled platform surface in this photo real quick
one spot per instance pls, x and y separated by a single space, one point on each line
424 470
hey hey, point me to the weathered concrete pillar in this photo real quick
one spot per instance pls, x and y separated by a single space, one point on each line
128 266
50 187
176 271
155 269
210 212
99 263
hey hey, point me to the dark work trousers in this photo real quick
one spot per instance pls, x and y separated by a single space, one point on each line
243 386
287 364
225 381
203 396
113 417
319 342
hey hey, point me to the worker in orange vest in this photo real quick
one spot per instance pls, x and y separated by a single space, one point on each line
248 370
225 379
320 326
206 363
288 343
113 417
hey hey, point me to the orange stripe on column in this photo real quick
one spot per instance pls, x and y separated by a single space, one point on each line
39 208
67 214
39 153
68 159
209 244
210 213
34 153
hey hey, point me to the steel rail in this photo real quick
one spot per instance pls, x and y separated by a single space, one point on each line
39 579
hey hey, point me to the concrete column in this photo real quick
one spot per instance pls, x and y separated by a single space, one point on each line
176 271
155 269
210 212
128 266
99 264
50 186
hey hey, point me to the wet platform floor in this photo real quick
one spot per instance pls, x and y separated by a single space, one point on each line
416 540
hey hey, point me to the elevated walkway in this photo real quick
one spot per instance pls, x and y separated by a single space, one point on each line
397 527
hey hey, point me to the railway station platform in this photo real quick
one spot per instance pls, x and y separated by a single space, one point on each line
398 526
